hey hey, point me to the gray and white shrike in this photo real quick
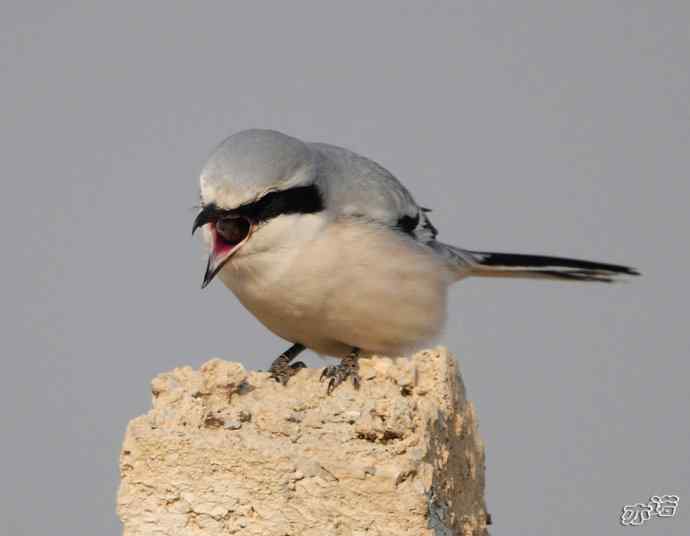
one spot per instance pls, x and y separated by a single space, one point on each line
331 252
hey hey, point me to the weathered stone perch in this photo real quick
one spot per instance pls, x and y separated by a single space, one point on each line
226 451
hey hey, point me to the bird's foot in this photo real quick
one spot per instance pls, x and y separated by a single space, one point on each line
348 368
284 373
281 370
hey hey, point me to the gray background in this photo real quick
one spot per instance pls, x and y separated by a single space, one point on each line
545 127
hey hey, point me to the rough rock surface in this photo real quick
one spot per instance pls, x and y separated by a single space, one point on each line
226 451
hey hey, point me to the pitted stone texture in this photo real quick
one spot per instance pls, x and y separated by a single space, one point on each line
230 452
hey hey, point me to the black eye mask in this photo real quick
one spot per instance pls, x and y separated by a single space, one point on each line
298 200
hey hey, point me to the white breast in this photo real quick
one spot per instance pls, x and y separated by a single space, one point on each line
336 285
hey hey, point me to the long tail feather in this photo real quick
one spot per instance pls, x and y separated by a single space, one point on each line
489 264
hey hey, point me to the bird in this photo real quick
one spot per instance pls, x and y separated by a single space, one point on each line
330 251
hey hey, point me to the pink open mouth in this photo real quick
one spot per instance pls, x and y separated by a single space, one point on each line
220 247
227 235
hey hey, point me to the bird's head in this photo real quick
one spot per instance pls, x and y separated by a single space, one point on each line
250 180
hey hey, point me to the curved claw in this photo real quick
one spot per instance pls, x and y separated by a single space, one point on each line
282 375
328 372
338 374
281 370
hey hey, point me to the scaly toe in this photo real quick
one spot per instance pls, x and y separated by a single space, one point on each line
338 375
283 374
328 372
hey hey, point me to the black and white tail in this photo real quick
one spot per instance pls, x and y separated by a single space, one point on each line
488 264
491 264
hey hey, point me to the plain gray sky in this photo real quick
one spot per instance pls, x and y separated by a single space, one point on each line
544 127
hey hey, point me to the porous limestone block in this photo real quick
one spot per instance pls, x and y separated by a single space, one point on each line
226 451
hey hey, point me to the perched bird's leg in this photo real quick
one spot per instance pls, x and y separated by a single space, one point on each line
281 370
348 367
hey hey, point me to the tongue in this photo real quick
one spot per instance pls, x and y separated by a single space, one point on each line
221 248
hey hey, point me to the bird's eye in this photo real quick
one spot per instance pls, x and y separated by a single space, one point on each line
233 229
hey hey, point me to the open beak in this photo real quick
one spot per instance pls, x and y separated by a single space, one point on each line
228 234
